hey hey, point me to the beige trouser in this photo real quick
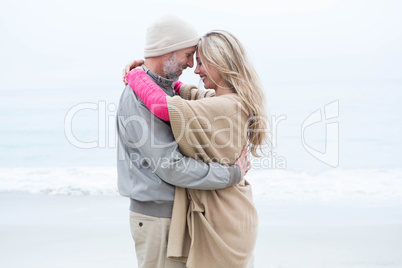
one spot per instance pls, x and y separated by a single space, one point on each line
150 235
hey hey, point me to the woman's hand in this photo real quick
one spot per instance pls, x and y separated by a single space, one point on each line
243 162
129 67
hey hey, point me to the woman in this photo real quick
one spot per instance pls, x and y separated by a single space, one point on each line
215 228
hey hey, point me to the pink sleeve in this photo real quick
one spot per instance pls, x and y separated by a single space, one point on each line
177 86
149 92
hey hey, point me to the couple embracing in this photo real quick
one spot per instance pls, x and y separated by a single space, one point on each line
183 151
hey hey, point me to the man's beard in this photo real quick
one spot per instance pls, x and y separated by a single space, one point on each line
171 68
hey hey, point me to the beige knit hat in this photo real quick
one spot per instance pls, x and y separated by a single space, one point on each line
167 34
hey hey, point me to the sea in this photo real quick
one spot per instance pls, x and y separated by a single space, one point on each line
331 143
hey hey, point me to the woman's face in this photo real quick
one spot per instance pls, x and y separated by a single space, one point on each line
212 79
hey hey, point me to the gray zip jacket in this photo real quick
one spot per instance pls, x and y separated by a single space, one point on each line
149 163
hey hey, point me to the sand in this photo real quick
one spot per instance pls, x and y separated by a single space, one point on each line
39 230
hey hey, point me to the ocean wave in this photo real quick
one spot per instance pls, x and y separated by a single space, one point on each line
350 187
60 181
369 187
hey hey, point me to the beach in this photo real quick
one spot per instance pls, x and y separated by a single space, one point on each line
42 230
329 195
39 230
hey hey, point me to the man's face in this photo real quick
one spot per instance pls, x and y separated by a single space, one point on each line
178 61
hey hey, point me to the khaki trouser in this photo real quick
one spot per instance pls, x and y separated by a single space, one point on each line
150 235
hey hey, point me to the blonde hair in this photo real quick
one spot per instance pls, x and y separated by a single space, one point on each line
224 52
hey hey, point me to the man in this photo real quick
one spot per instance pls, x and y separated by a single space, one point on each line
149 163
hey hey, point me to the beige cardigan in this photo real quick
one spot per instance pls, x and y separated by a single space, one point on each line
215 228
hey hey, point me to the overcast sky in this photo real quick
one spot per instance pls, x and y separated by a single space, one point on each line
81 43
308 53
